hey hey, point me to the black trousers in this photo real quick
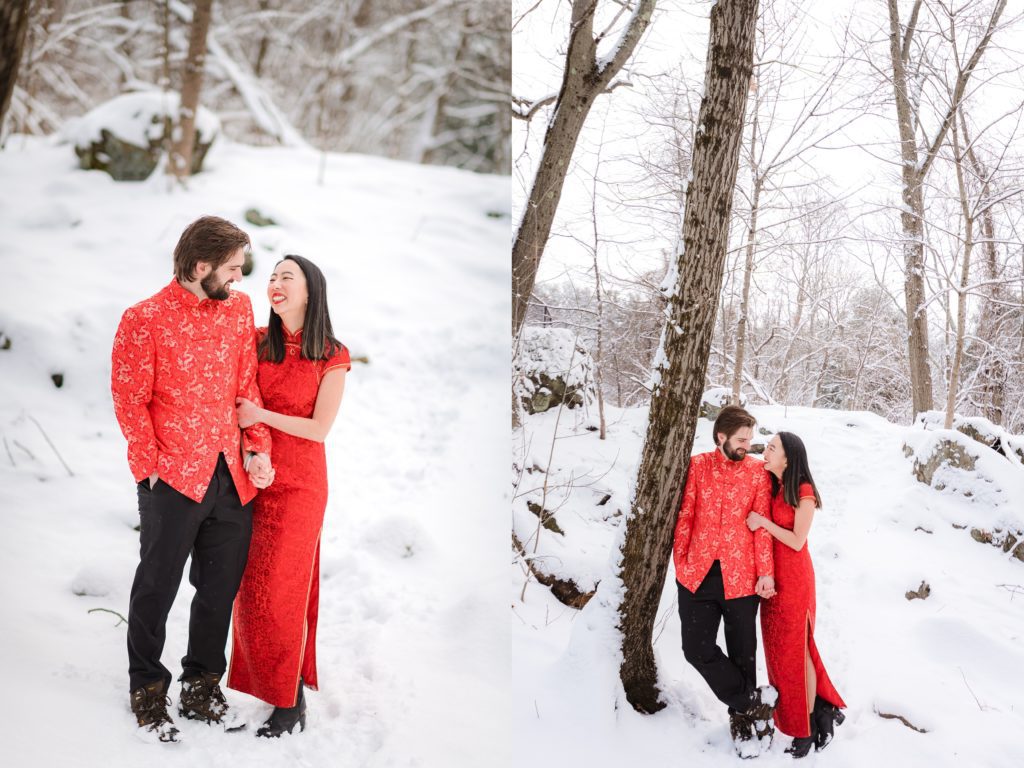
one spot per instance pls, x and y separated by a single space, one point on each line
732 678
216 533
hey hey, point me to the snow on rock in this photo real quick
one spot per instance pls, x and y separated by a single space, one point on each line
124 136
553 367
715 399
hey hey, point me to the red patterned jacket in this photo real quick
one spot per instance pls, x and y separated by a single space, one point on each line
177 365
712 523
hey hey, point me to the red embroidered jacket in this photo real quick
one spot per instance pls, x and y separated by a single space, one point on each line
712 523
177 365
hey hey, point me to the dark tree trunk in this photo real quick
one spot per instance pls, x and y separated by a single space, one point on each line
191 85
13 27
686 343
583 80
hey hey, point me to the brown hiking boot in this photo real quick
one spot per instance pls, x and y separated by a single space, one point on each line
741 728
149 705
765 700
202 699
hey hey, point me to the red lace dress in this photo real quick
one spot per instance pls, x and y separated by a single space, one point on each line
787 626
275 613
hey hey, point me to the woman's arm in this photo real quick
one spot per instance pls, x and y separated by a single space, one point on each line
794 539
328 400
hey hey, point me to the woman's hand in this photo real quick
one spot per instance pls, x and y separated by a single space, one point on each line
755 521
248 412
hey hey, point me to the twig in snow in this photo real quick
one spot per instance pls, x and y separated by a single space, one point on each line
902 719
48 440
108 610
982 708
9 454
1013 589
27 452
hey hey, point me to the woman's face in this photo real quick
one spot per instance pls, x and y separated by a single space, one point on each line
287 290
775 457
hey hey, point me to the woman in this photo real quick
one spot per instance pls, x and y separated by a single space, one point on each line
301 377
808 704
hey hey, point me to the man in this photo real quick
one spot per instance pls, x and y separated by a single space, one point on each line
180 358
722 571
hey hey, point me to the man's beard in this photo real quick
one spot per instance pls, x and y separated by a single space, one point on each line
735 454
214 291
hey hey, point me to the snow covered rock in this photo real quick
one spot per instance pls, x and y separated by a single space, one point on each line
125 135
940 453
553 367
715 399
980 430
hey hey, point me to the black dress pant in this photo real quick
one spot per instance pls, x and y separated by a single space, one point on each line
732 678
216 533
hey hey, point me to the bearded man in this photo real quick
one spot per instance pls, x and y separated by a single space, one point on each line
723 569
179 360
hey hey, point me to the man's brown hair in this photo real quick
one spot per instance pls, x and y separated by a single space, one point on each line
210 239
731 420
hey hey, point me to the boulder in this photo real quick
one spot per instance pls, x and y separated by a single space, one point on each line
715 399
942 453
553 368
125 136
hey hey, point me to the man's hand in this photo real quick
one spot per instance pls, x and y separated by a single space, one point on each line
765 587
260 471
755 521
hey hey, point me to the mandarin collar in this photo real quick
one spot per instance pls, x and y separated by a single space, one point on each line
288 335
724 462
183 295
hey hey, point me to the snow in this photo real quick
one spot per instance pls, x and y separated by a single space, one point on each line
412 649
952 664
137 118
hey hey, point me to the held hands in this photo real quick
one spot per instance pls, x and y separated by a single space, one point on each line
248 412
261 473
765 587
755 521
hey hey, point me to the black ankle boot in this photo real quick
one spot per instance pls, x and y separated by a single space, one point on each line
826 716
801 745
283 719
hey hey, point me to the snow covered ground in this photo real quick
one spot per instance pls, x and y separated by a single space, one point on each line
952 664
412 640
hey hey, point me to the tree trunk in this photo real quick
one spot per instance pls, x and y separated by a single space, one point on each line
13 27
583 80
180 161
965 275
686 343
748 269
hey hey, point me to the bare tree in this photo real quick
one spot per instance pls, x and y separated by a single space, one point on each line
13 26
180 160
686 342
916 163
584 78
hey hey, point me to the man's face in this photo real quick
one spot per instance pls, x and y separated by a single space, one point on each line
216 284
737 446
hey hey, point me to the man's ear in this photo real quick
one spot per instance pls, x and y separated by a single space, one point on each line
202 269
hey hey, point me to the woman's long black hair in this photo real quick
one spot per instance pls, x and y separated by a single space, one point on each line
797 471
318 342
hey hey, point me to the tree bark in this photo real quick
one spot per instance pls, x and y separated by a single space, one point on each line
583 80
13 28
180 161
686 344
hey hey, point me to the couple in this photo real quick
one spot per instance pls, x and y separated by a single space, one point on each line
189 369
741 537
